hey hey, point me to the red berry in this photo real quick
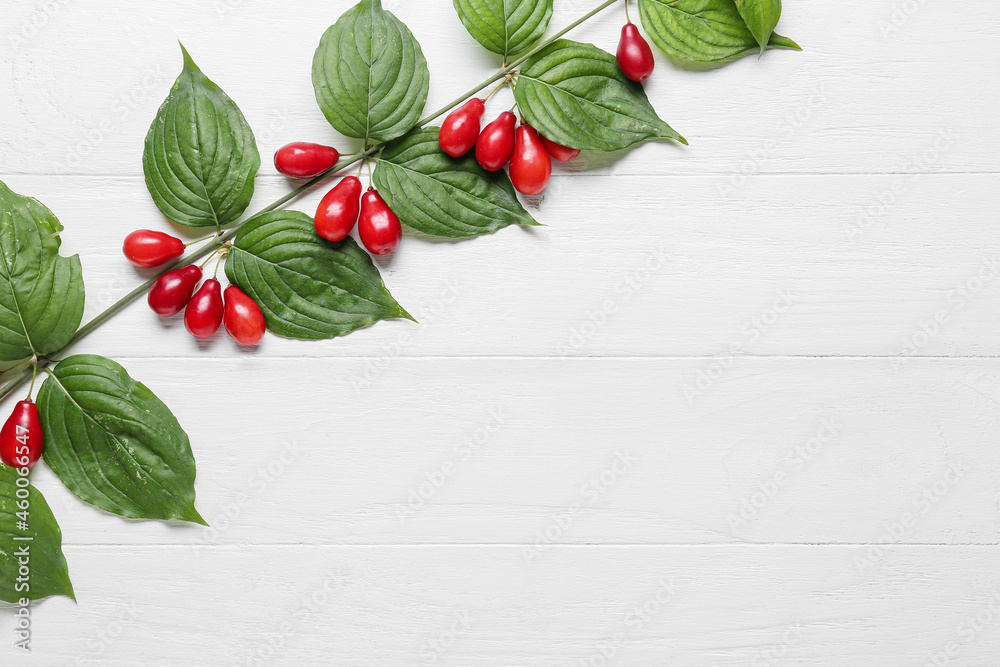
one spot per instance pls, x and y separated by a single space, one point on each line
461 128
379 227
338 212
204 313
635 58
530 166
496 142
21 438
558 151
304 160
172 291
146 248
244 321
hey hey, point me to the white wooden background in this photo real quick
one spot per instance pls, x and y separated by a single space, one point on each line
737 404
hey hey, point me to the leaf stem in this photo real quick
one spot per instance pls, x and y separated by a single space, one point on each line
225 236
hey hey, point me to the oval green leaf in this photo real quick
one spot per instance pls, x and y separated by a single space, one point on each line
29 532
505 27
114 444
201 157
369 74
701 30
761 16
575 95
41 292
308 289
443 197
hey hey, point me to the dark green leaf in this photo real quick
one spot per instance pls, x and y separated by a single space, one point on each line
700 30
370 76
26 523
307 288
445 197
505 27
41 293
760 16
201 156
575 95
114 444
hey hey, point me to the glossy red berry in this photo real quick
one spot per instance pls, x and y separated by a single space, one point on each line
558 151
204 313
21 438
378 227
461 128
304 160
496 142
530 166
146 248
243 318
338 212
635 58
172 291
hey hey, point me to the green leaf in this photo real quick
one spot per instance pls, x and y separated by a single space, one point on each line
114 444
575 95
760 16
701 30
26 523
505 27
445 197
370 76
201 157
307 288
41 293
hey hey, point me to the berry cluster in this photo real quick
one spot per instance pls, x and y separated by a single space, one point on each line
344 206
528 153
174 291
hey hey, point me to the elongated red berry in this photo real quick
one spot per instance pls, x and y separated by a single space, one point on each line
338 212
530 166
635 58
496 142
461 128
172 291
305 160
243 318
378 227
21 438
558 151
205 311
146 248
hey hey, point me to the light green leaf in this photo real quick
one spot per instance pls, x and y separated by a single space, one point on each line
308 288
26 523
41 293
576 95
505 27
201 157
114 444
760 16
701 30
442 196
369 74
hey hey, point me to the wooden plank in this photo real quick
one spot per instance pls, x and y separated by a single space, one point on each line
794 267
548 451
859 98
484 606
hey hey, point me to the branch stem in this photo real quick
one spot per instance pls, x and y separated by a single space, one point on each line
225 236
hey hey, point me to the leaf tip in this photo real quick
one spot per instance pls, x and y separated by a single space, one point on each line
188 60
194 517
402 314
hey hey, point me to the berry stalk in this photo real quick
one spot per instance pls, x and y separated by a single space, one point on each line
16 381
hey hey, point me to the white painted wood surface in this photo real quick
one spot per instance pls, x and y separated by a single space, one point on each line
737 404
